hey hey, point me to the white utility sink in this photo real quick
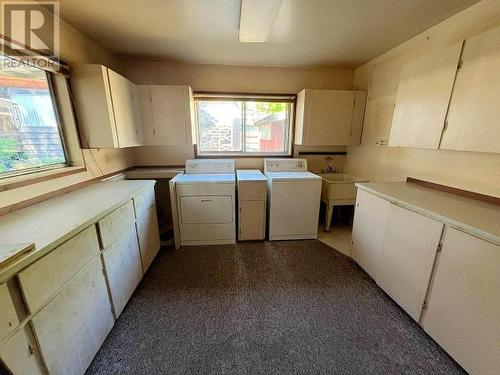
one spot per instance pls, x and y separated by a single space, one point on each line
338 190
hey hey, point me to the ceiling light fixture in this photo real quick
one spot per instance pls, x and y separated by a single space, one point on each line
257 19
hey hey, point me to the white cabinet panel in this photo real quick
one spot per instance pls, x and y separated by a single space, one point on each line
409 249
252 220
107 107
463 313
422 99
126 109
167 115
370 218
8 316
123 268
329 117
149 237
473 119
71 328
43 278
20 353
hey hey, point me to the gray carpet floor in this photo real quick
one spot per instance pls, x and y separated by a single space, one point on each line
295 307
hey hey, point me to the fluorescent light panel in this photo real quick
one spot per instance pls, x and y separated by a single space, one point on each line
257 19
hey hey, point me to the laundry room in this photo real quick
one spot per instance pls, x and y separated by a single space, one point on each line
249 187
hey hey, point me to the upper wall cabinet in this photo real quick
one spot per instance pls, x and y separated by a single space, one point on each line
167 115
422 99
107 107
473 118
329 117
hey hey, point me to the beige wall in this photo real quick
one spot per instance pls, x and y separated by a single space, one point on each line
479 172
230 78
76 48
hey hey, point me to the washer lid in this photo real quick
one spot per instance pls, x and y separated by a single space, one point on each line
292 176
205 178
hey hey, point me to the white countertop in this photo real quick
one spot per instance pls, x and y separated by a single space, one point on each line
153 173
478 218
249 175
50 223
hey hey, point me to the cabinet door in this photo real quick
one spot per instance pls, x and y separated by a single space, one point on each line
71 328
171 115
422 99
252 220
149 237
409 249
146 114
328 116
463 309
368 231
473 118
20 353
358 115
123 268
8 315
125 109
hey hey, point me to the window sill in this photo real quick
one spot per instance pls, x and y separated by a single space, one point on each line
241 156
15 182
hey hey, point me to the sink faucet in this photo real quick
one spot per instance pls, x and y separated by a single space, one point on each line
329 168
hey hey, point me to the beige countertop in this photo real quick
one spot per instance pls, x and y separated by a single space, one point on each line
478 218
50 223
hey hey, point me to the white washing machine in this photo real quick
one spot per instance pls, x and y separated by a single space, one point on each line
205 200
294 196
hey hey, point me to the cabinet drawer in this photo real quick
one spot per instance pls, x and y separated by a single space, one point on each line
116 223
206 209
43 278
149 237
123 268
144 201
72 327
252 191
8 316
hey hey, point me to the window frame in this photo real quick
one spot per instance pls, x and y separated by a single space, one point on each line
58 167
291 99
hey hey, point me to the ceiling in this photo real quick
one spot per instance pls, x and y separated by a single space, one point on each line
305 32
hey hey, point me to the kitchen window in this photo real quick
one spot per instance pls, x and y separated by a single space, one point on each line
244 124
30 133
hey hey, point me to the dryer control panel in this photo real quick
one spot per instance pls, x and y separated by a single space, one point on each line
285 165
209 166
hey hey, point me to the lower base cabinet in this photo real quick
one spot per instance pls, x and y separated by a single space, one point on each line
123 268
20 353
149 238
368 232
72 327
463 310
410 245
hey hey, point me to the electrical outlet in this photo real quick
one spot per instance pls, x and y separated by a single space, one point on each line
382 141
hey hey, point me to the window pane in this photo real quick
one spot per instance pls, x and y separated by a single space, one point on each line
266 125
220 126
29 133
